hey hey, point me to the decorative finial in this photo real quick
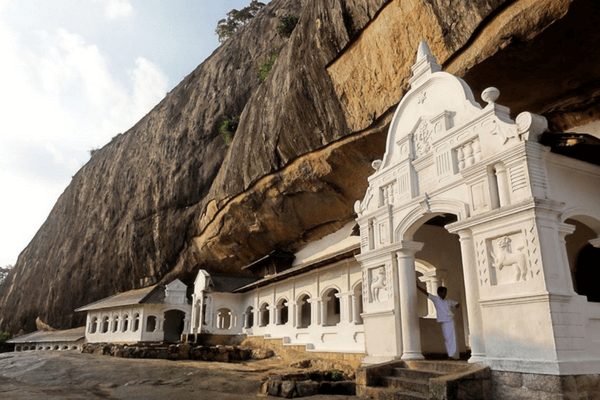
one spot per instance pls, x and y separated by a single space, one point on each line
425 65
423 50
376 164
490 95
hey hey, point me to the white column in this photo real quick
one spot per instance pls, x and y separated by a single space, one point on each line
356 318
407 279
324 302
272 310
277 311
298 313
315 305
503 188
476 339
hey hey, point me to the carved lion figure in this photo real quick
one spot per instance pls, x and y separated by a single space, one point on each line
506 258
378 282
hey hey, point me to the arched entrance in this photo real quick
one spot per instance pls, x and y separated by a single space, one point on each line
439 263
173 326
583 252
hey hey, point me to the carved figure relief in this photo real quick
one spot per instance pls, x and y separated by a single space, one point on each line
422 139
506 257
378 283
504 130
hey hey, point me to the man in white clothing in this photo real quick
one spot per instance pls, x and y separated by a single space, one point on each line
445 317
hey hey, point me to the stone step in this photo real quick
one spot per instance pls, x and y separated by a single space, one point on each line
416 374
414 385
384 393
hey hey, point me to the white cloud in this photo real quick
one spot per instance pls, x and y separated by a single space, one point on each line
115 9
58 102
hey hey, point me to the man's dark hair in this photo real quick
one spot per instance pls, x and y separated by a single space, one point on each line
442 289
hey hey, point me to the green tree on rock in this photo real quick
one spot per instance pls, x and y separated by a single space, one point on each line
236 19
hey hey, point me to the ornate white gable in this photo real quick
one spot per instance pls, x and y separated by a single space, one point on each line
438 132
175 292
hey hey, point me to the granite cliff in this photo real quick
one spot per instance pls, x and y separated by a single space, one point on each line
169 197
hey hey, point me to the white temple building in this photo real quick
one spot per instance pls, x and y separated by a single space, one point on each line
464 197
155 313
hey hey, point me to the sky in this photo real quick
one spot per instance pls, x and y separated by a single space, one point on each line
74 74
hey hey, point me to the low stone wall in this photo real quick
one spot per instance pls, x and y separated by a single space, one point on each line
517 385
213 339
309 383
338 361
182 351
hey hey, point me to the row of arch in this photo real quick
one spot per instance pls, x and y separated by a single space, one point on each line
331 310
117 324
34 347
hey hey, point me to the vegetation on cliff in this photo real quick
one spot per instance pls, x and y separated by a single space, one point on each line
236 19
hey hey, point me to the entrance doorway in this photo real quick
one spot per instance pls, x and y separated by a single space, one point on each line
174 320
439 263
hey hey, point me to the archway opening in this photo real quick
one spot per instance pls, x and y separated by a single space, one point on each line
223 318
125 326
174 324
115 324
583 260
249 317
105 323
264 314
282 313
93 325
439 263
357 304
150 323
136 322
305 312
332 307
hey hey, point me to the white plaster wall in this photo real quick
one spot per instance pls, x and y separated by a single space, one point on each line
129 335
346 336
233 302
575 183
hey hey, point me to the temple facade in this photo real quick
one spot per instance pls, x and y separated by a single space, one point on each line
509 225
464 197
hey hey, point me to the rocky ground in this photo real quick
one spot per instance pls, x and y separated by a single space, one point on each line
73 375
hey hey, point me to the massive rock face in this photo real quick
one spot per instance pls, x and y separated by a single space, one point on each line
169 197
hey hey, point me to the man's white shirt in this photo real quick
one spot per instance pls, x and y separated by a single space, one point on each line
443 307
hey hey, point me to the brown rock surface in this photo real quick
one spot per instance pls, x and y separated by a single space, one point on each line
65 375
168 197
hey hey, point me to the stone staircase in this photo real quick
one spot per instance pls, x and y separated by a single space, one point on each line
423 379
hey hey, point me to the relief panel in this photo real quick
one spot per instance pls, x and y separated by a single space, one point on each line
508 259
378 284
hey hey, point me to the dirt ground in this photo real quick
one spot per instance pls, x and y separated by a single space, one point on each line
64 375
